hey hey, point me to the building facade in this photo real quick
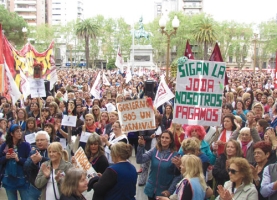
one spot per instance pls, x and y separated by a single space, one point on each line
34 12
3 3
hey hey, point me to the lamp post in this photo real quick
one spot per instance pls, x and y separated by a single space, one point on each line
255 49
24 31
175 25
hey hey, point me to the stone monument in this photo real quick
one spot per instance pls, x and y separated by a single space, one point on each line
141 55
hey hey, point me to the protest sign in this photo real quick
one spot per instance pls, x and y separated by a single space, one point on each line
82 161
69 120
199 90
37 88
136 115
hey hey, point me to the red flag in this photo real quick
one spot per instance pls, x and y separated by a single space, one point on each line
216 56
1 62
188 53
275 81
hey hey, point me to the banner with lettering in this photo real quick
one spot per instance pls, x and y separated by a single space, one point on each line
199 90
136 115
82 161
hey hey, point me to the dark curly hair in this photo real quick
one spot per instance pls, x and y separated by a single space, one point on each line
9 137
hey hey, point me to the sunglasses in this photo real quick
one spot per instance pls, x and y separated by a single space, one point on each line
232 171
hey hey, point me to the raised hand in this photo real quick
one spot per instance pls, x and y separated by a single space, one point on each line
45 170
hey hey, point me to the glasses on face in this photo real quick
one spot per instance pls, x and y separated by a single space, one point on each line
232 171
40 140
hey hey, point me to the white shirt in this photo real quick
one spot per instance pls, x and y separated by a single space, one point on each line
50 195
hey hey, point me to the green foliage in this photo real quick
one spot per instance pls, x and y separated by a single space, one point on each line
173 68
12 24
111 64
87 29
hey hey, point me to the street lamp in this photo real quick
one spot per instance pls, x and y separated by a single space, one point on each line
24 31
255 49
175 25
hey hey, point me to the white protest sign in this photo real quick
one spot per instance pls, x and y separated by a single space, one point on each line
136 115
110 107
37 88
63 142
69 121
199 90
84 136
30 138
163 94
82 161
53 78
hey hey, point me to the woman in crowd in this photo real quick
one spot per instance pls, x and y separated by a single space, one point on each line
96 102
96 154
261 127
240 185
50 129
3 130
248 137
118 182
220 170
229 128
148 136
270 103
21 117
13 154
262 152
162 170
167 117
230 98
52 171
46 117
115 137
247 103
193 185
119 98
179 134
240 110
104 120
62 106
74 184
35 112
54 109
113 116
31 127
274 117
199 132
96 113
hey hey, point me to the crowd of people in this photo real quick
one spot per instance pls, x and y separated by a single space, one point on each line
235 160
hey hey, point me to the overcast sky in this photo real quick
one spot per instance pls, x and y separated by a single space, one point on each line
238 10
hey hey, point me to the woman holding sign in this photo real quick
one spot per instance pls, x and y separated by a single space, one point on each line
162 170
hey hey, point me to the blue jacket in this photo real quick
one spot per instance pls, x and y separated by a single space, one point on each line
32 169
162 170
9 182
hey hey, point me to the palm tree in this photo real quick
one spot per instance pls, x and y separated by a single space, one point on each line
87 29
205 33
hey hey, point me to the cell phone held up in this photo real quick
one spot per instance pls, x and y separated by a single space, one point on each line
10 150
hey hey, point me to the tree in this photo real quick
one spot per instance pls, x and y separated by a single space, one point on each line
12 24
111 64
86 30
205 33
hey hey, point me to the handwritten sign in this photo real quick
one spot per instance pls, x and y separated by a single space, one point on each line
37 88
82 161
136 115
84 136
30 138
199 90
69 121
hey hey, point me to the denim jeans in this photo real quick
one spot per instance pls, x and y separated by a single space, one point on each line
33 193
12 194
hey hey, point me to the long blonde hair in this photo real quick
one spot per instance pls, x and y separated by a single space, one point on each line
194 168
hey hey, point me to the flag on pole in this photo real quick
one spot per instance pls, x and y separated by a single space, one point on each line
188 52
163 94
275 81
105 80
216 56
95 90
2 74
24 85
128 73
12 88
119 60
